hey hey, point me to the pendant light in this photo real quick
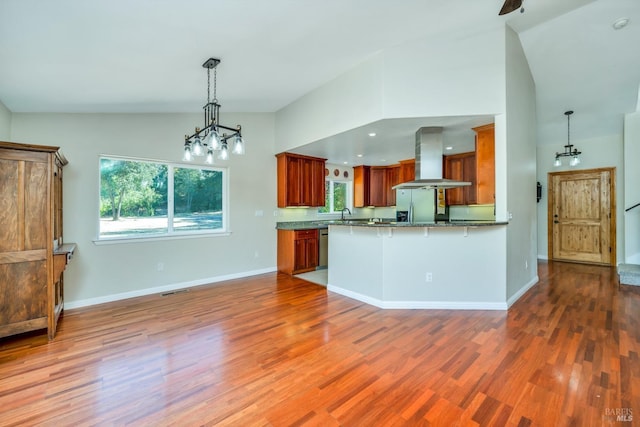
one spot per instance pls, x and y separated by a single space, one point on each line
208 141
569 151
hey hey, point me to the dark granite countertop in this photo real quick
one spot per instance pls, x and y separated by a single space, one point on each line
306 225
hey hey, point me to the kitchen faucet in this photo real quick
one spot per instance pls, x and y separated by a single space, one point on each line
342 213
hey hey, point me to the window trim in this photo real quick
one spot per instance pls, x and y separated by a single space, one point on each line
349 201
171 234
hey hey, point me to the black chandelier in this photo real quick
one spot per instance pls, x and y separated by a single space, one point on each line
208 140
569 151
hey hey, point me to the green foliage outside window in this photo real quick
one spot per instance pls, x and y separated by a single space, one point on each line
135 202
336 196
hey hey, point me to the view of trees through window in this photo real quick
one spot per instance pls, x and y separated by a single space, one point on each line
335 196
142 198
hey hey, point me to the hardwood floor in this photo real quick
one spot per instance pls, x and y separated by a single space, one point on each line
277 351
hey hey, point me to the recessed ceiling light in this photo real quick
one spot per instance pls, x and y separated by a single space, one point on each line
359 155
346 163
448 147
372 134
620 23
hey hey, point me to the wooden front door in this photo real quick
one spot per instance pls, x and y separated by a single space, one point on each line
581 215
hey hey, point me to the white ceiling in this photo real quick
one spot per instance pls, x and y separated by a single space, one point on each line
146 56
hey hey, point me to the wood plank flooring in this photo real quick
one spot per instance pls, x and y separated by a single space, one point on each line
278 351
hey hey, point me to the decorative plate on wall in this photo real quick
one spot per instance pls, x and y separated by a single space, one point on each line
336 172
326 172
346 174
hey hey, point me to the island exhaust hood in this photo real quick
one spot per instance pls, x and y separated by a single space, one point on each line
429 162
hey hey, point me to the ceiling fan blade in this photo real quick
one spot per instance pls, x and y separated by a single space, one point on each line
509 6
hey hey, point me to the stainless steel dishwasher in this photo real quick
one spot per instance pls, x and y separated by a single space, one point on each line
323 250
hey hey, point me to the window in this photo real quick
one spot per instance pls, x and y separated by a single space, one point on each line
337 196
140 198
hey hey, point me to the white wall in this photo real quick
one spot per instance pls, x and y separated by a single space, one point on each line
521 168
631 192
5 123
458 76
596 153
100 271
453 75
392 263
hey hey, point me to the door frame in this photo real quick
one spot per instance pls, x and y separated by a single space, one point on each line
612 220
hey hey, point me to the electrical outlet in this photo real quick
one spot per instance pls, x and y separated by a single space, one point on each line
429 277
259 213
160 266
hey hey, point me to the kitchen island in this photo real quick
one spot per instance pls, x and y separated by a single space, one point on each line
449 265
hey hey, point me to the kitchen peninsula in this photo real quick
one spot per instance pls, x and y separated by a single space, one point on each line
449 265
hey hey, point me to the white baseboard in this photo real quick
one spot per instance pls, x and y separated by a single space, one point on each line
515 297
435 305
544 257
160 289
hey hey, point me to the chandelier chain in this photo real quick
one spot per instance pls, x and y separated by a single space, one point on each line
208 85
215 85
568 129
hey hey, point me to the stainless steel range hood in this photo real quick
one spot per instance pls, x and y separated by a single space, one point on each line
429 162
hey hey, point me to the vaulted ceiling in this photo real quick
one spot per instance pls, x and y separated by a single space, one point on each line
146 55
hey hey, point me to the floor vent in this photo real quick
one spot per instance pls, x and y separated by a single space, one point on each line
179 291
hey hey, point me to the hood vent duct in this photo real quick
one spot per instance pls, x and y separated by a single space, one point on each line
429 162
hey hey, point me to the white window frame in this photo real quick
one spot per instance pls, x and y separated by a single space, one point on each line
171 233
349 201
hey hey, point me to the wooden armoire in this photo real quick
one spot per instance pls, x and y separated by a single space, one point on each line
32 254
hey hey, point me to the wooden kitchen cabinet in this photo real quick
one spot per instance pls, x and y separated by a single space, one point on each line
477 167
361 186
300 180
393 178
372 185
32 254
378 186
485 164
407 170
461 167
297 251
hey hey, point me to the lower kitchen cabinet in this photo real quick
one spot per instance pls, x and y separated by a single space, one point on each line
297 251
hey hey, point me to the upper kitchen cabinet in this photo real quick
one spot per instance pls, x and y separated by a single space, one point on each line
300 180
461 167
361 186
485 164
407 170
477 167
372 185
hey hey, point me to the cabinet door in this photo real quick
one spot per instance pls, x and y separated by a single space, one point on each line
318 185
299 254
485 164
378 186
454 170
311 252
393 178
24 240
294 182
407 170
361 183
469 175
306 182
